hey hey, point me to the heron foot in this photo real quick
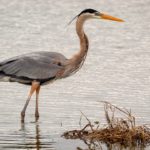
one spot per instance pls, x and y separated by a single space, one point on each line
22 117
37 115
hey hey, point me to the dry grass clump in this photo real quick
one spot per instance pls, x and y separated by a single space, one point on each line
122 129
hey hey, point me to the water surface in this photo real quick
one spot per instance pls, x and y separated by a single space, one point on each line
117 68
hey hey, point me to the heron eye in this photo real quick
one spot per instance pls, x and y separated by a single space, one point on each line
97 13
59 64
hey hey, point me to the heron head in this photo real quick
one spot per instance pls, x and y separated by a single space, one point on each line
91 13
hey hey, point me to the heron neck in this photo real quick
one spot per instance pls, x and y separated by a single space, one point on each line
79 57
84 44
75 63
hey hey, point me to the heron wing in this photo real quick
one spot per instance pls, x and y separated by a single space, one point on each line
41 65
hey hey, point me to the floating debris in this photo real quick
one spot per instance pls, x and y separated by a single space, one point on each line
118 130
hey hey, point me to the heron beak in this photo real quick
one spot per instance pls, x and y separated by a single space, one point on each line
108 17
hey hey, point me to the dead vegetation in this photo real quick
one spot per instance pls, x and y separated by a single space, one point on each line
120 129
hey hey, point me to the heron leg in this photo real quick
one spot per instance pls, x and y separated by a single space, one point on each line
34 86
37 100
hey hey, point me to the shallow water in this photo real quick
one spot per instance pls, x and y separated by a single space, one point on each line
117 68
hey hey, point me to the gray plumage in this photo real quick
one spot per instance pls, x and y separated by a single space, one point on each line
45 64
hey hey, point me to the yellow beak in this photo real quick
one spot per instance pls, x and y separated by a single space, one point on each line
108 17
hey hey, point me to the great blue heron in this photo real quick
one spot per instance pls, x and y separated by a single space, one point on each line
40 68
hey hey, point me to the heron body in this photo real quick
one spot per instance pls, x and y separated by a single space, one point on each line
41 68
20 69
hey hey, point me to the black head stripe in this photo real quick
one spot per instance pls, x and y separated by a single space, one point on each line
88 11
83 12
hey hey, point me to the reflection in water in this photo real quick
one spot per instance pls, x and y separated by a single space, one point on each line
38 141
27 140
91 145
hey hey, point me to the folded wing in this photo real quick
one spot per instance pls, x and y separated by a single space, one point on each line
35 66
